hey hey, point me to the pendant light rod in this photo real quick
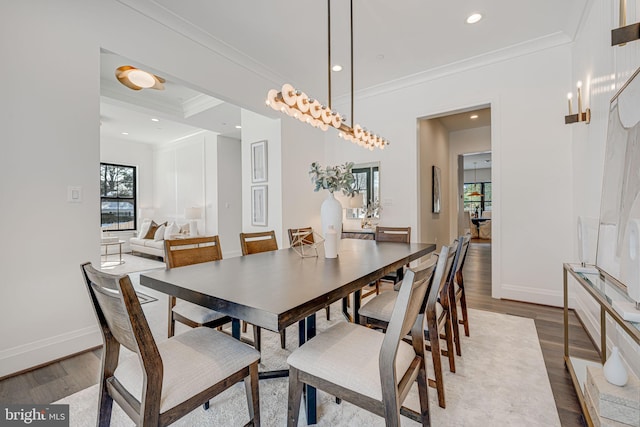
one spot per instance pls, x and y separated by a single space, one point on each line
352 101
329 51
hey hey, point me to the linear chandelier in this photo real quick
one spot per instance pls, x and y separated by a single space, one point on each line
298 105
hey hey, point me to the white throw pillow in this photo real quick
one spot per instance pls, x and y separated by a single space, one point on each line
144 228
171 230
159 233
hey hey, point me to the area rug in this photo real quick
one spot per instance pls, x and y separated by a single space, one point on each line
131 264
500 380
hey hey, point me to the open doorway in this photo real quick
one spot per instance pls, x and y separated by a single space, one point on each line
459 143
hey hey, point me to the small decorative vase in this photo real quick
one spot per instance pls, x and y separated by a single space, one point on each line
614 370
331 214
331 243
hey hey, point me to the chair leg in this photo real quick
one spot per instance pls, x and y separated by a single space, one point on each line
105 407
244 326
295 397
453 308
172 323
328 310
434 341
448 333
253 395
283 339
423 393
465 316
257 337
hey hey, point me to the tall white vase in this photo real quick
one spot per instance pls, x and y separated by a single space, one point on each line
614 370
331 214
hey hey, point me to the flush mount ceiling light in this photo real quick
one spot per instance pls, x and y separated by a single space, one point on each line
136 79
337 67
473 116
473 18
298 105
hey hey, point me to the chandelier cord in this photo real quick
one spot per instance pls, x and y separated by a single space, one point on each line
329 51
351 18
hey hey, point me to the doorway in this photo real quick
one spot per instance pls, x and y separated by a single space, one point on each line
459 143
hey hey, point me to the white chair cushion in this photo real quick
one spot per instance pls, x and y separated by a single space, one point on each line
171 230
381 306
195 312
347 355
193 361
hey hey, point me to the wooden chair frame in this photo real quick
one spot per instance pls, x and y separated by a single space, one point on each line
122 322
182 252
254 243
407 317
390 234
459 295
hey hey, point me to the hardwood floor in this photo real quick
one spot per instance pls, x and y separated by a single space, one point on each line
60 379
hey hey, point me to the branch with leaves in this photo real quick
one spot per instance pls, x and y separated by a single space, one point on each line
333 178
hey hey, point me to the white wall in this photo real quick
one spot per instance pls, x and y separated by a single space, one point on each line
595 61
255 128
185 176
433 150
480 175
527 130
229 183
53 125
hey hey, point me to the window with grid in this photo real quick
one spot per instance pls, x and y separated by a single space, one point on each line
477 203
117 197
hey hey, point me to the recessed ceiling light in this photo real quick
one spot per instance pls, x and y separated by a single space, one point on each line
155 120
337 67
473 117
473 18
125 133
238 127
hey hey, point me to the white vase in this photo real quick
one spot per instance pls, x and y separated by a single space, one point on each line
331 214
614 370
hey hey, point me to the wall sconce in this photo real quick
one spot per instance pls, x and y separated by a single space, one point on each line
625 33
580 116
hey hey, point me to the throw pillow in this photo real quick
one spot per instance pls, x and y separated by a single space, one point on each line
144 228
160 233
184 229
171 230
150 234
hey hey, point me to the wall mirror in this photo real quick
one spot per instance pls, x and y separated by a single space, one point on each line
367 182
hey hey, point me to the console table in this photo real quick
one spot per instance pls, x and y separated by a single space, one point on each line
604 289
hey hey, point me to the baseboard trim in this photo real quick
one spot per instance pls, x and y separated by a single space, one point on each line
533 295
43 352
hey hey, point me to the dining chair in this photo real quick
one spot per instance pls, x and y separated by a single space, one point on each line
473 228
390 234
166 380
306 235
378 379
485 230
254 243
377 312
459 295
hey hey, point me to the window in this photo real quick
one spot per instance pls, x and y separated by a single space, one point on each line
117 197
479 203
367 183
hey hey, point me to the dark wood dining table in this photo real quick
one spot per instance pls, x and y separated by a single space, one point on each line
276 289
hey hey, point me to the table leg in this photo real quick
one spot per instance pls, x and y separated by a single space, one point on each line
356 306
235 328
308 331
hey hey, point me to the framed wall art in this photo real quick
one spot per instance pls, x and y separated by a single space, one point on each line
435 182
259 164
259 205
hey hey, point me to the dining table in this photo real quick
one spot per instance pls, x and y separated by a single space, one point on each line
276 289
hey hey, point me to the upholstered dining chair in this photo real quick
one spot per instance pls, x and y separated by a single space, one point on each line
254 243
390 234
306 235
377 312
379 378
166 380
473 229
485 230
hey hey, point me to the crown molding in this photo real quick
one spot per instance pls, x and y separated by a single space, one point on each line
173 22
198 104
500 55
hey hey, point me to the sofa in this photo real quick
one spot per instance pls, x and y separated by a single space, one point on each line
150 239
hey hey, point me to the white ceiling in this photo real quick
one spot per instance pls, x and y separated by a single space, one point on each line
393 40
